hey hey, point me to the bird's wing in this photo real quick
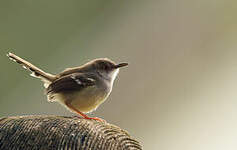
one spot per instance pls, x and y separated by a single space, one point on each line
72 82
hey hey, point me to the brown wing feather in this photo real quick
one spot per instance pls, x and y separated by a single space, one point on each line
72 82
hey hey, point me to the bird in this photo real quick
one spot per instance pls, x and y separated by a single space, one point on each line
80 89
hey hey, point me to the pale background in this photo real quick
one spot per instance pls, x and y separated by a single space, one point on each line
179 91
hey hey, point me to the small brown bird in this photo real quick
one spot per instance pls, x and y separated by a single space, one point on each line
81 89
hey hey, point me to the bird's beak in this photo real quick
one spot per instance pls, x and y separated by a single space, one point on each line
121 65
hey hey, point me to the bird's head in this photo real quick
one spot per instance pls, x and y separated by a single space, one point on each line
106 68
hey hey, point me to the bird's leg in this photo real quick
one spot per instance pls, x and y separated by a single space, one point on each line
82 114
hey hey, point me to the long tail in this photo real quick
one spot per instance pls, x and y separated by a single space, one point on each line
36 72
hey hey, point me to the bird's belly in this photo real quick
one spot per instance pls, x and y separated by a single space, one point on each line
87 100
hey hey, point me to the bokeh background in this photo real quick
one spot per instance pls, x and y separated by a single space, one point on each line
179 91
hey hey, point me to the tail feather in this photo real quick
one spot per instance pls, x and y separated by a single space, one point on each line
36 72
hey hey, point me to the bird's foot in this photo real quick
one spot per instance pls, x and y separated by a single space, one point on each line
95 118
91 118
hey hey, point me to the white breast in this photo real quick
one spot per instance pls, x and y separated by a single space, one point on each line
113 75
85 101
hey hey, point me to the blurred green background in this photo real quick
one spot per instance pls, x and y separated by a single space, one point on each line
179 91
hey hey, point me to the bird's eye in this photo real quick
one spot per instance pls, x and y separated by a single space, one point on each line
105 67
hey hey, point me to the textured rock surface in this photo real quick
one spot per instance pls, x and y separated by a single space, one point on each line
64 133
